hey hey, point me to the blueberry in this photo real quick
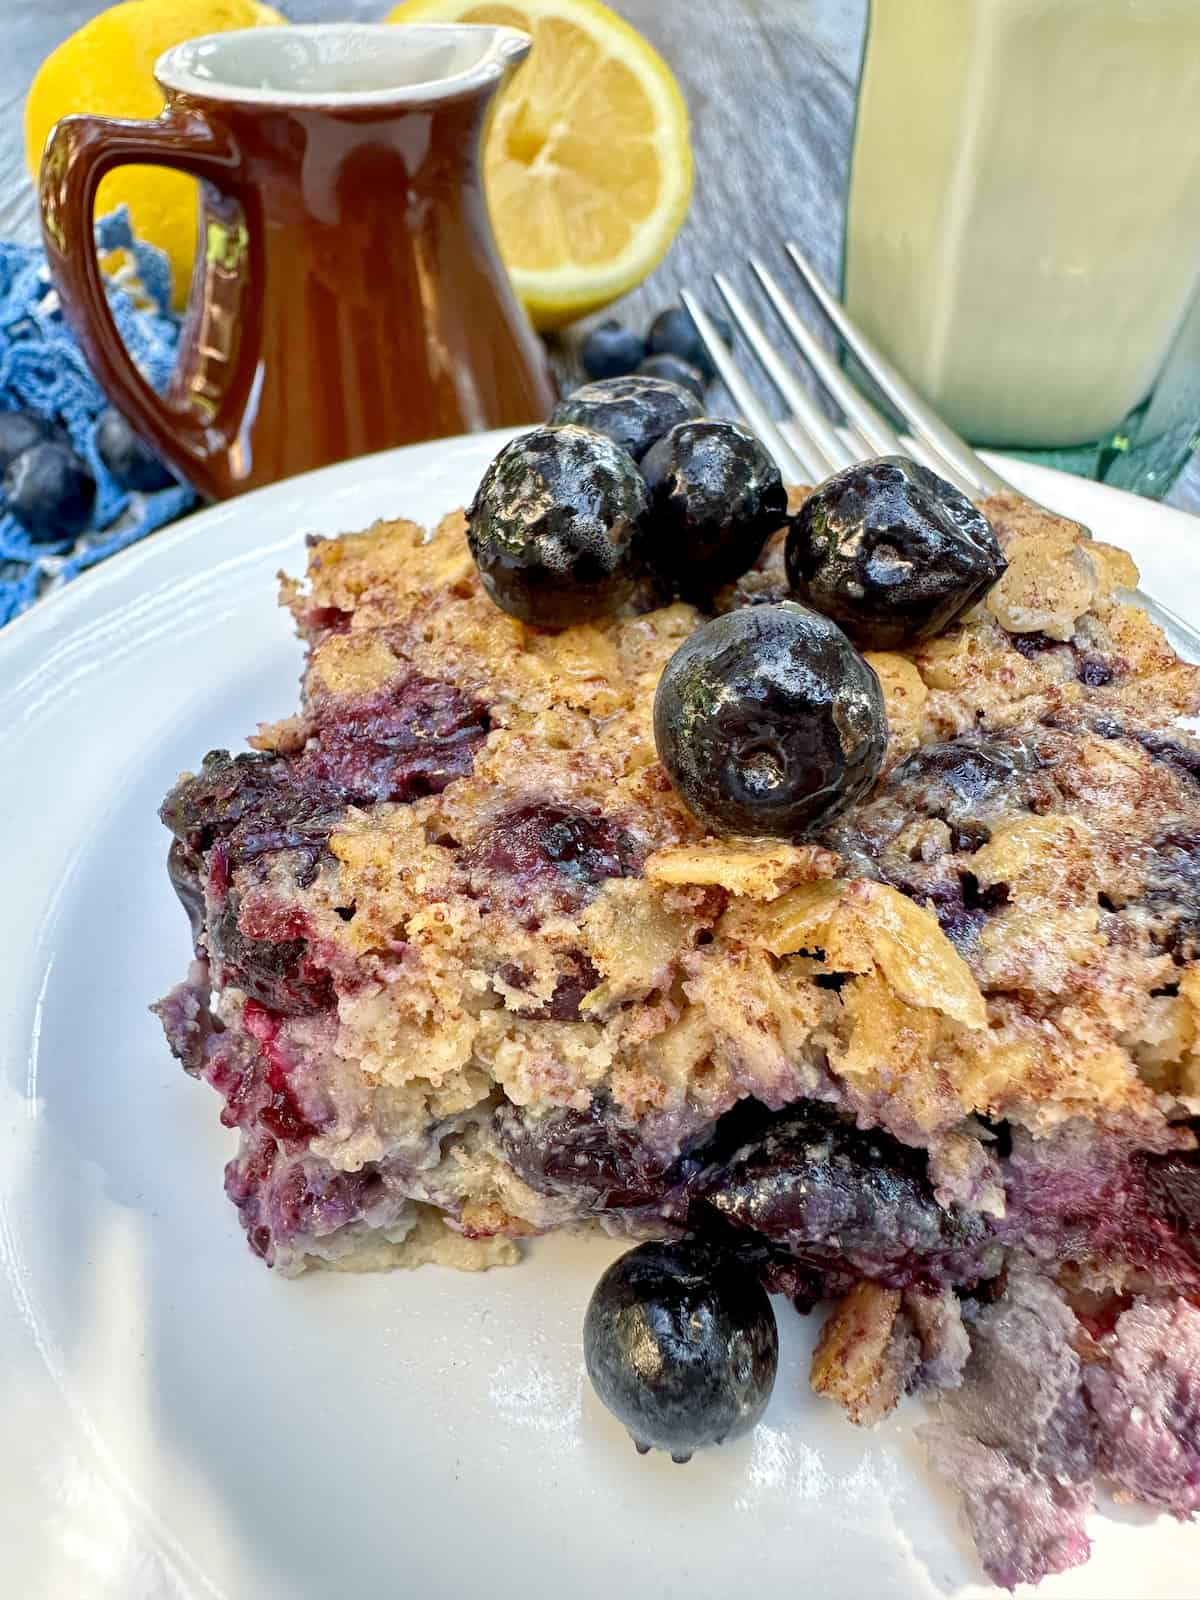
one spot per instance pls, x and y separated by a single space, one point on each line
808 1180
21 429
955 780
675 370
555 526
1172 1184
611 350
185 869
768 721
50 492
715 497
282 974
543 838
132 463
633 412
681 1345
891 551
591 1158
674 333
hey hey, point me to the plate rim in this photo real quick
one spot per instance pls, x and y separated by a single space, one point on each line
53 622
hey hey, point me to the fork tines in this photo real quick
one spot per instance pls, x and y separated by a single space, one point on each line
812 446
808 446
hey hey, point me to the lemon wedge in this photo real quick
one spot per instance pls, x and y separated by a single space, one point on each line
107 67
588 163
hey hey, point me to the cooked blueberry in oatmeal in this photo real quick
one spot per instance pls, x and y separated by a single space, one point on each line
891 551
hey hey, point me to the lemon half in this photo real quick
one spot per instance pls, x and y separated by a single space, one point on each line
107 68
588 163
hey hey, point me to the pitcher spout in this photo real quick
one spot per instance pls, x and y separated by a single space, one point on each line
508 49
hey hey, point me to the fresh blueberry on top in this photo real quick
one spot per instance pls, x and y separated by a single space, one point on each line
611 350
132 463
891 551
633 412
681 1345
555 526
21 429
715 497
768 721
50 492
675 370
673 332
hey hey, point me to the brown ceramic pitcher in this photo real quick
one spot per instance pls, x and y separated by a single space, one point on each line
348 294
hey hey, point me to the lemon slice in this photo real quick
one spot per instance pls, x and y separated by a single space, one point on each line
587 163
107 67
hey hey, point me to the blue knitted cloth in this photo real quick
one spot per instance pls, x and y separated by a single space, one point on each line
42 370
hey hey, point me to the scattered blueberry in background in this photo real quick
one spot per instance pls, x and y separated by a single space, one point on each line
769 722
674 333
891 551
44 376
681 1345
50 491
19 430
671 348
633 412
675 370
132 463
611 350
715 497
555 526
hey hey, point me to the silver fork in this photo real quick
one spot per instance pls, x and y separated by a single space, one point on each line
808 446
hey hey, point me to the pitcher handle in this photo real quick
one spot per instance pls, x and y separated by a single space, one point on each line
195 425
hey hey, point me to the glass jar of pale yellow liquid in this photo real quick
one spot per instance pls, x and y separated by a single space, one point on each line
1023 226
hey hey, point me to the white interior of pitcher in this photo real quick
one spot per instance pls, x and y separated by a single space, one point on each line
341 63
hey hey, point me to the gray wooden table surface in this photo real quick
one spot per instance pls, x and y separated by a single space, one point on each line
770 84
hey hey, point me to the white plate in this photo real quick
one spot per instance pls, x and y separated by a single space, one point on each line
179 1422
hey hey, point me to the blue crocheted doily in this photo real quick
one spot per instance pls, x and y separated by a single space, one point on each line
42 370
